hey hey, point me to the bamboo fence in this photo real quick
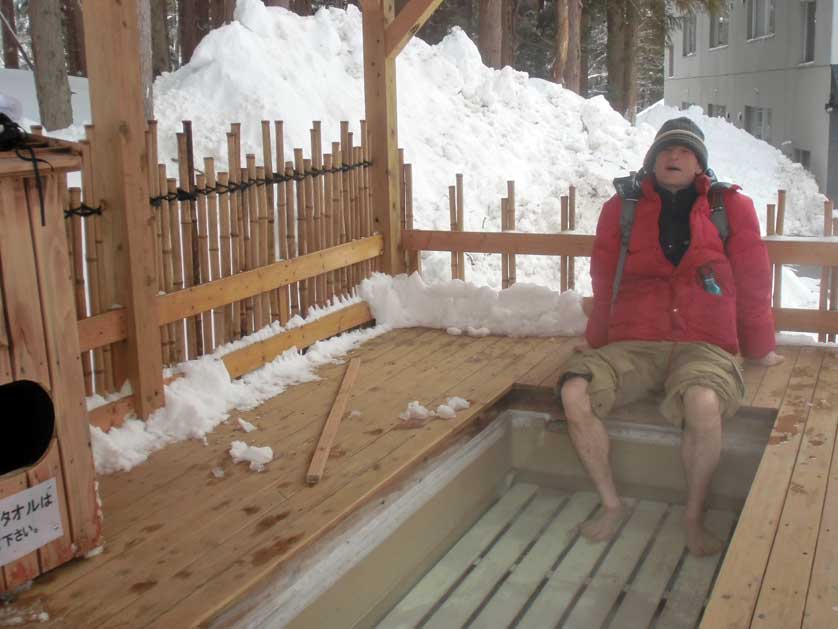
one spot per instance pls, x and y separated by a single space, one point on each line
211 224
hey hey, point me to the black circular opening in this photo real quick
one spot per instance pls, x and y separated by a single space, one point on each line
29 422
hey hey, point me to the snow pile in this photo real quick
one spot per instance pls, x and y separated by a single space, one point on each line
204 397
450 408
521 310
415 411
257 457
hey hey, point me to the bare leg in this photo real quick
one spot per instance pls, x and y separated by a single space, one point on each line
590 439
701 447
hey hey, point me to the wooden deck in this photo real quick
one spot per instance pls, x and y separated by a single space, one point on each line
182 544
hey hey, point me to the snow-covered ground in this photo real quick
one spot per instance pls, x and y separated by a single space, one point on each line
455 116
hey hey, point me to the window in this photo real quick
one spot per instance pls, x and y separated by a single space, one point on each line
760 18
802 157
688 23
719 30
808 31
686 104
671 67
716 111
758 122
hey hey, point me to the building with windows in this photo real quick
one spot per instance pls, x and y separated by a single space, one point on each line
769 67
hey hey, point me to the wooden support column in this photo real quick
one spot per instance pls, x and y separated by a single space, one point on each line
380 97
121 182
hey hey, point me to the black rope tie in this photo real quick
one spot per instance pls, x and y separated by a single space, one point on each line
235 186
83 211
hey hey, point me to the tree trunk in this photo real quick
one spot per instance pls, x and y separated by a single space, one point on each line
302 7
615 16
490 33
10 58
585 46
160 61
188 29
630 61
560 60
51 83
146 74
509 38
74 33
574 51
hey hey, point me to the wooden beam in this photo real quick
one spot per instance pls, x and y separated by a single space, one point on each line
410 19
103 329
815 251
116 102
806 320
380 100
330 428
562 244
191 301
254 356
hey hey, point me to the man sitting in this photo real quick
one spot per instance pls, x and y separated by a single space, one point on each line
686 303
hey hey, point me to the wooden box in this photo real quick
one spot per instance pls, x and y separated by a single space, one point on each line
47 478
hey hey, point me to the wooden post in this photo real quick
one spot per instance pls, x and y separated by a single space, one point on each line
461 255
452 206
414 258
571 262
565 223
116 102
510 225
824 302
380 99
778 268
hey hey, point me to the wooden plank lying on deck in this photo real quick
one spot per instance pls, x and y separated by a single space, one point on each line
740 579
330 428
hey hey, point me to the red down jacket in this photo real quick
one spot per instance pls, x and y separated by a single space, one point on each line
658 301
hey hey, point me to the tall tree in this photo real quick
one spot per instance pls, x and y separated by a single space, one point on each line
562 29
509 35
160 59
10 58
74 32
51 83
615 59
584 48
490 33
188 28
572 68
629 99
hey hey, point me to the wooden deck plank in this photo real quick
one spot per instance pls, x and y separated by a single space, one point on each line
686 600
500 559
740 579
641 601
822 597
772 389
506 603
123 489
567 580
236 501
487 384
785 584
753 375
424 595
562 348
607 583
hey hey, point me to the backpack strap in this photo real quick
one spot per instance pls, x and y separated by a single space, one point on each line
629 190
718 212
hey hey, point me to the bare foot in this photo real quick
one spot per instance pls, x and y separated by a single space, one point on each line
603 525
700 541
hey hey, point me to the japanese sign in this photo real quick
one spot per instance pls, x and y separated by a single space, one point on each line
28 520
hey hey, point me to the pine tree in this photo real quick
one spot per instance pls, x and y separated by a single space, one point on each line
51 83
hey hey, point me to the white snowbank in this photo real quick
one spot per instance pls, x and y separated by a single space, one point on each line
521 310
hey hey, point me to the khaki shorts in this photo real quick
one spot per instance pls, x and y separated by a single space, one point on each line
624 372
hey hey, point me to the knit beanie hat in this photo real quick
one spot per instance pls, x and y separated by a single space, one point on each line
682 131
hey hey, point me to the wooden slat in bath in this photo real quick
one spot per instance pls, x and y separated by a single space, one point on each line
459 559
692 586
498 562
533 569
